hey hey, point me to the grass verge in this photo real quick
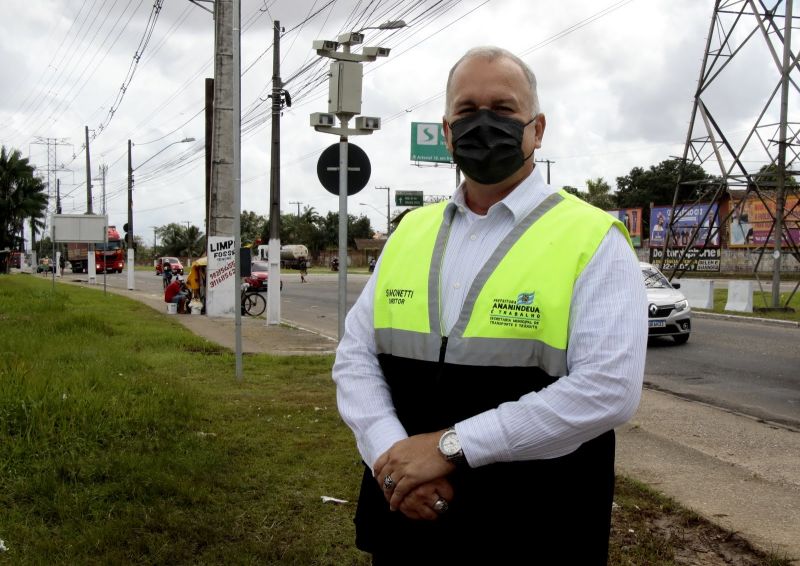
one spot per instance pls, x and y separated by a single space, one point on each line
760 299
123 439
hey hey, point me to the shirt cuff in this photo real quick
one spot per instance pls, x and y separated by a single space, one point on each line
379 438
481 445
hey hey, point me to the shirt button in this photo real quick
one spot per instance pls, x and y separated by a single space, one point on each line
456 285
473 237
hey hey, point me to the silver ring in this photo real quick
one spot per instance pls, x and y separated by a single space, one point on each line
388 482
441 505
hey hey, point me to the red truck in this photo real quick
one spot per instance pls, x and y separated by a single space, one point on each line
109 257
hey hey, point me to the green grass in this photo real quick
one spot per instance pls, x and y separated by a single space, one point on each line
760 299
126 439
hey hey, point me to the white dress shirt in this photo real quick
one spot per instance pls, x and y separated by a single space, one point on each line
605 353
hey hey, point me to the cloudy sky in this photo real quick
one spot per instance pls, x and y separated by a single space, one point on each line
616 81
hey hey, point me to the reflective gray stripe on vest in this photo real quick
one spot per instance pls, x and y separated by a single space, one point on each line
512 352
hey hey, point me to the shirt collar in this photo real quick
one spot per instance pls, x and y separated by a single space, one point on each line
520 202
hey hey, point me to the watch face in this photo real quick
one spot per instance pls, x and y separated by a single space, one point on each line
449 443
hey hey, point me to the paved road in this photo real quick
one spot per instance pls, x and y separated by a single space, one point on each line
748 368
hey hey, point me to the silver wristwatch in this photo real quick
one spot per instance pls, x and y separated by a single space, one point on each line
450 447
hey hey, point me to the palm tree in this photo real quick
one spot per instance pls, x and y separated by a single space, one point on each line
22 197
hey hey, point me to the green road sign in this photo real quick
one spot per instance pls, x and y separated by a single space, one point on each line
428 143
408 198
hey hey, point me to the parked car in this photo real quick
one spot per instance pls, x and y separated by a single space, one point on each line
177 266
668 311
259 276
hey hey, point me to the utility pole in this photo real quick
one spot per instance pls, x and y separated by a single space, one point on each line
548 167
154 240
188 243
103 172
88 177
129 264
298 203
90 259
388 220
273 291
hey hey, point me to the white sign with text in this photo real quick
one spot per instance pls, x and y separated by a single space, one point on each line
221 276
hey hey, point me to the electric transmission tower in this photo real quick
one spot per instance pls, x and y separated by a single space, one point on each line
53 168
744 129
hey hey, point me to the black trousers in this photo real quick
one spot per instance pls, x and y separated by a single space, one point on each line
543 512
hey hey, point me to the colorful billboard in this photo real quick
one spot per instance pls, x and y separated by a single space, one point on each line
632 219
687 219
750 225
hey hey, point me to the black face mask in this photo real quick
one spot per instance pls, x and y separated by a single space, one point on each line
488 147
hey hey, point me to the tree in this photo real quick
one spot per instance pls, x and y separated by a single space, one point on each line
641 187
599 194
251 226
22 197
179 240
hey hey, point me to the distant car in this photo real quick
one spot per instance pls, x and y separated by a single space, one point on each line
259 276
668 311
175 263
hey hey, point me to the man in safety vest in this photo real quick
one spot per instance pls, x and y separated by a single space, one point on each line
500 340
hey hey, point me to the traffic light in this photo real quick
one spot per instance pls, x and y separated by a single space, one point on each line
125 230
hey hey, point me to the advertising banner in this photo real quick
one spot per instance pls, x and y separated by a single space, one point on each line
632 219
686 220
221 276
696 259
750 225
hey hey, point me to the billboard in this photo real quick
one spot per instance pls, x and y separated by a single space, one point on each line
750 223
428 143
696 259
632 219
80 228
686 220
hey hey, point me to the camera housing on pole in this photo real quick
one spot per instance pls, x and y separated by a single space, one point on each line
344 102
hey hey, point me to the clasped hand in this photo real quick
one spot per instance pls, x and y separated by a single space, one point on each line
418 475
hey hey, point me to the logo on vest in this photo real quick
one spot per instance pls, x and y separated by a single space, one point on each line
399 296
519 313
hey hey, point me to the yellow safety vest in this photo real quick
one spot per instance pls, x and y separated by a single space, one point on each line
517 311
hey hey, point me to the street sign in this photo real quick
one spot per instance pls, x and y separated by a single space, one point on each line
428 143
408 198
358 169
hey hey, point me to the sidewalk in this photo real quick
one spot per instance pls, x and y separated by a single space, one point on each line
739 473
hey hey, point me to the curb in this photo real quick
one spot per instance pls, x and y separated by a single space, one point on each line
749 319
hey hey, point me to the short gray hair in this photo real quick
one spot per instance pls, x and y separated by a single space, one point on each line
491 53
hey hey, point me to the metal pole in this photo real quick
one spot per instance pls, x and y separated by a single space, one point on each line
237 177
781 196
342 229
129 264
274 290
388 219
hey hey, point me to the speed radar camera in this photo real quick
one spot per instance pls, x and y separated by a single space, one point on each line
324 46
376 51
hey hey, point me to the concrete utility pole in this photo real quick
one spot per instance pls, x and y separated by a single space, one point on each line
130 260
90 259
209 116
298 203
274 291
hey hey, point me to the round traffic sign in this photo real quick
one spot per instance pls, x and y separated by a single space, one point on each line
358 169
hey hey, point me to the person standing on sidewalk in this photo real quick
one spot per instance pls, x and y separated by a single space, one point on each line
500 340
